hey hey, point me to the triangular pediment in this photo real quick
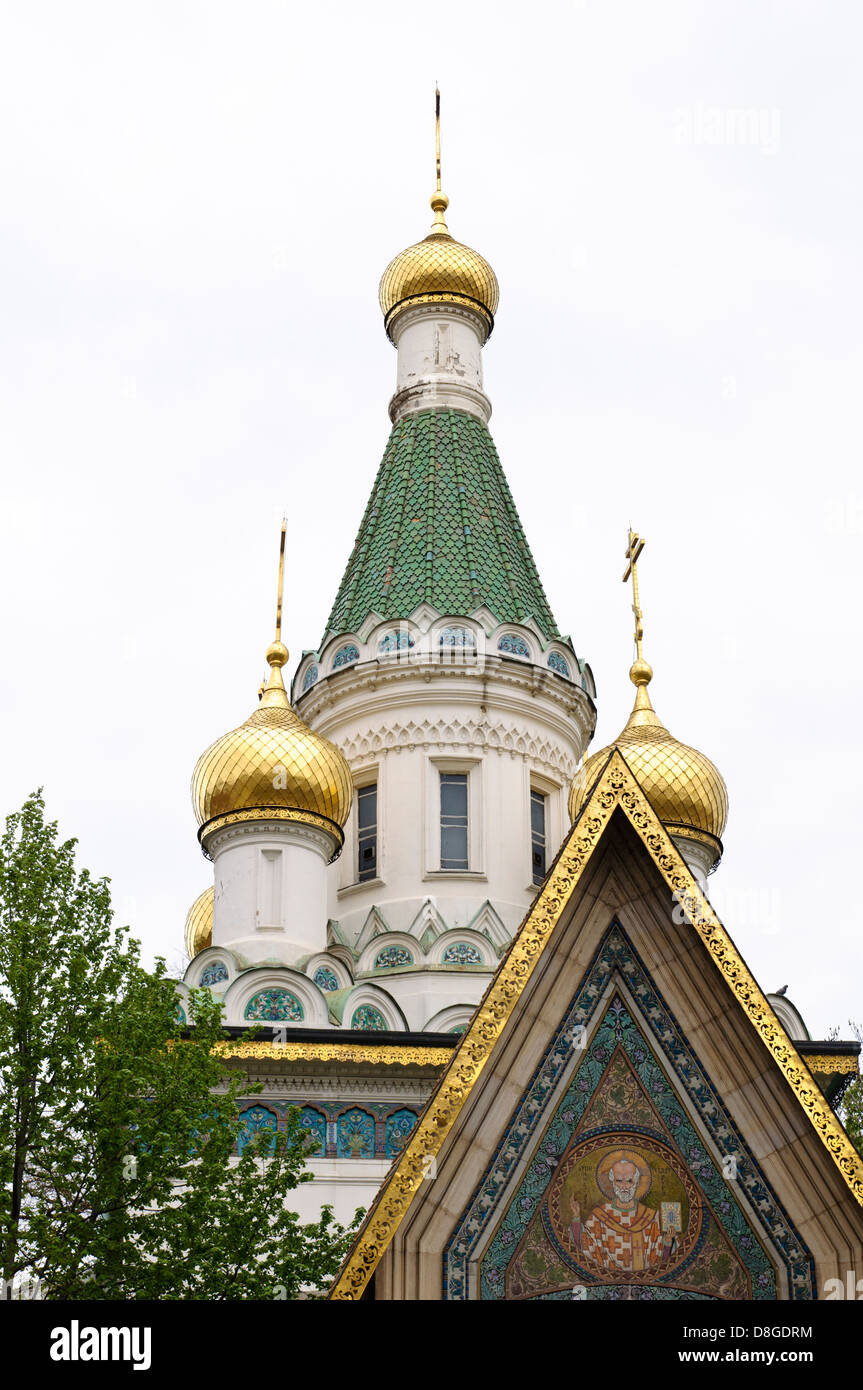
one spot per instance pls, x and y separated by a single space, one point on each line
374 925
491 925
708 1025
427 925
623 1098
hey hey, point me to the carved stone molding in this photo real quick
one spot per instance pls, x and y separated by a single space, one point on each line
514 739
415 678
311 832
343 1088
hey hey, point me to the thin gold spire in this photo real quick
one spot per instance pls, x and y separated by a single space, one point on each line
274 693
281 581
439 200
437 132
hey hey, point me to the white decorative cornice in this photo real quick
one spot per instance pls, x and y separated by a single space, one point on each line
269 830
385 685
439 395
407 317
503 737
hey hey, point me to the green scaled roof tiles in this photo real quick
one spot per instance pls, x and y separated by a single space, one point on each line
440 528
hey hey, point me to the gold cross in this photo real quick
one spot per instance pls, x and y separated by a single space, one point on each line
632 552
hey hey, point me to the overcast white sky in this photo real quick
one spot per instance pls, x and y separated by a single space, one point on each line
198 200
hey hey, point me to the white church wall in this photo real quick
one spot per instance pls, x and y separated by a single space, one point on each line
270 889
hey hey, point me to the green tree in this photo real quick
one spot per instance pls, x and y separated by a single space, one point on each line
116 1132
852 1102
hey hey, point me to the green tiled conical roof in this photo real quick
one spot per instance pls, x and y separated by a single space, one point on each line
441 528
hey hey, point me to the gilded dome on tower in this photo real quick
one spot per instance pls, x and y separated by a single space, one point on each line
272 767
439 270
199 924
684 788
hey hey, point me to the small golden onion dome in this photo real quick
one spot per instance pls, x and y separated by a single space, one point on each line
273 767
199 924
438 270
684 788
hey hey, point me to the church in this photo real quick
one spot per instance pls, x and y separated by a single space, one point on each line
483 963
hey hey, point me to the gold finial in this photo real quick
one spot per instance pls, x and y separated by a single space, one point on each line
439 200
640 672
274 693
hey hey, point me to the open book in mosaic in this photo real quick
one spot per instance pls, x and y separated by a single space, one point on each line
606 1186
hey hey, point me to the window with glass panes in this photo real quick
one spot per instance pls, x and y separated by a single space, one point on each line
367 832
453 820
537 835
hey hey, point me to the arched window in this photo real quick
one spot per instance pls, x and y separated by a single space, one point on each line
395 642
462 953
514 645
275 1006
355 1135
398 1127
315 1124
213 974
558 664
392 956
257 1120
345 656
457 637
368 1019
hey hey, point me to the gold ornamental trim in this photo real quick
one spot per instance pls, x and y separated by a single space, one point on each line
616 787
410 301
265 813
400 1055
826 1063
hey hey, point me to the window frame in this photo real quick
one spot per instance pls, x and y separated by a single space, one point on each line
365 833
474 769
349 882
556 821
454 821
537 795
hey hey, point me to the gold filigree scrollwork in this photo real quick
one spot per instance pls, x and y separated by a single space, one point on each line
831 1066
615 787
402 1055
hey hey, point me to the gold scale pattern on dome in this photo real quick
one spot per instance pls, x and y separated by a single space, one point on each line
683 786
199 924
273 767
439 269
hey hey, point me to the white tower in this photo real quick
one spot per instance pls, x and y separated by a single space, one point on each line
461 709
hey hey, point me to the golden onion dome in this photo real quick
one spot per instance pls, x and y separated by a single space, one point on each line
273 767
439 270
684 788
199 924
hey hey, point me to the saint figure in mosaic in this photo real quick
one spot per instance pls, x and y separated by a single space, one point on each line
622 1234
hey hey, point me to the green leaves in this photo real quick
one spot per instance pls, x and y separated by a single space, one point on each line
118 1173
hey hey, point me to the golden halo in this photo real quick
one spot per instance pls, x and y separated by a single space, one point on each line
618 1156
